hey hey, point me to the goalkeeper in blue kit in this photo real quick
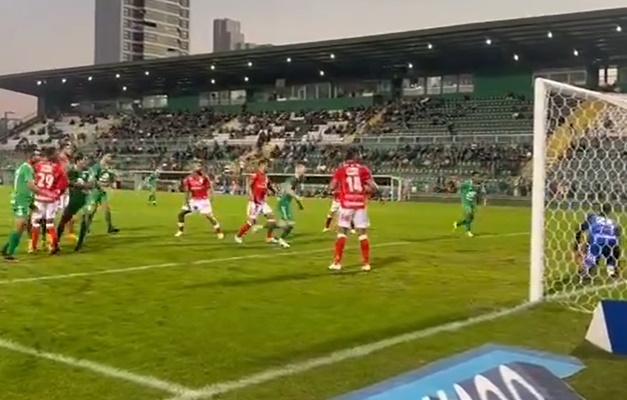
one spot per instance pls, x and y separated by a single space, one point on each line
603 242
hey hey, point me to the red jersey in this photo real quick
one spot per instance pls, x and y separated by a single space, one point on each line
51 177
351 179
258 187
198 186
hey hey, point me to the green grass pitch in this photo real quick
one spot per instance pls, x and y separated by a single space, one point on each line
205 311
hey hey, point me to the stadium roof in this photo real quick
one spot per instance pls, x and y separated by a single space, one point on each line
552 41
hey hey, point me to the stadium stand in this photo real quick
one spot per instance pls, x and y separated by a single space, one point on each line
410 138
446 116
78 129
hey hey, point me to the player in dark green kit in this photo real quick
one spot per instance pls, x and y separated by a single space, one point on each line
105 177
288 190
468 191
81 181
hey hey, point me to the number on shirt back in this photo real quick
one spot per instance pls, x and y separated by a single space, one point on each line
354 184
45 180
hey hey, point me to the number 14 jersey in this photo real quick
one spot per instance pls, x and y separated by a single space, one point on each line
352 179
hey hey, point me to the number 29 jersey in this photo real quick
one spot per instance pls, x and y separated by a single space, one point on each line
51 178
351 180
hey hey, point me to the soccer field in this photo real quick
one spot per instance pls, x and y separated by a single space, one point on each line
145 315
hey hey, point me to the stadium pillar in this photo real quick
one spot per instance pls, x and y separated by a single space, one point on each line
250 95
592 72
41 106
397 87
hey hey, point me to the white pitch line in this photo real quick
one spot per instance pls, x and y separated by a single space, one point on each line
217 260
99 369
272 374
184 393
169 265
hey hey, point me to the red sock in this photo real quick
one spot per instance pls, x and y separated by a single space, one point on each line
53 235
243 230
365 249
34 236
339 248
327 223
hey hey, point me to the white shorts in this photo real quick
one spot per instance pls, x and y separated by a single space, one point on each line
44 211
335 207
254 209
201 206
358 217
63 202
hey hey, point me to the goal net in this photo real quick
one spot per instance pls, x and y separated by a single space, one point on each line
579 165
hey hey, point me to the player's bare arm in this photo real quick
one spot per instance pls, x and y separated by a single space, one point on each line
33 187
333 186
272 188
372 186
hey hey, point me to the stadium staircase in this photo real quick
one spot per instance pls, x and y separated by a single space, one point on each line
574 127
25 125
363 129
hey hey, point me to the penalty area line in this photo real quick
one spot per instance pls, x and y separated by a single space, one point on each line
99 369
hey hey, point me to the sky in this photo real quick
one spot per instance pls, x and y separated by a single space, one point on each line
44 34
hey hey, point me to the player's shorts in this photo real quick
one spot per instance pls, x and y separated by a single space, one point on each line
335 207
44 211
76 204
63 202
21 210
468 210
99 197
285 212
359 217
609 251
201 206
256 209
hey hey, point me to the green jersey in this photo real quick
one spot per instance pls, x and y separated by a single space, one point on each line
22 194
468 194
292 183
76 176
152 180
104 175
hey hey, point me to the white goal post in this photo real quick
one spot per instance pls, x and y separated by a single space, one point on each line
579 163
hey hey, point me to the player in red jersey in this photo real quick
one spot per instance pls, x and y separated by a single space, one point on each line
258 205
49 176
197 188
353 181
65 159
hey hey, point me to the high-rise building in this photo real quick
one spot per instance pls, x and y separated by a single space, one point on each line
130 30
227 35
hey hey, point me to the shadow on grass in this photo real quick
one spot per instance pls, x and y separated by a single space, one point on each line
587 351
323 273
